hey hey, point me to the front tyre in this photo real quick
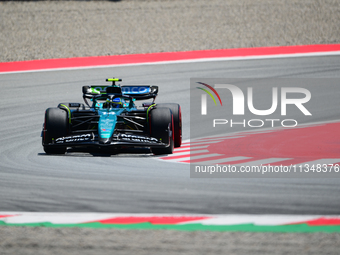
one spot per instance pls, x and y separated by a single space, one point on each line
161 127
55 126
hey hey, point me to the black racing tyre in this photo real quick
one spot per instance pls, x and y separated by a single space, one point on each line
55 126
160 121
177 113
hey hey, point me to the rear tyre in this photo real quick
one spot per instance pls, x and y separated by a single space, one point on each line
161 127
55 126
177 113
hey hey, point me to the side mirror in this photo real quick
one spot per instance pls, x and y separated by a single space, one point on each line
86 90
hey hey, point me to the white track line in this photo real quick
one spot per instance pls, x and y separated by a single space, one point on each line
215 139
222 160
187 153
260 220
190 148
200 143
322 161
211 219
262 161
195 157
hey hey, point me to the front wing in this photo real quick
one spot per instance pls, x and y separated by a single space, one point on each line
91 140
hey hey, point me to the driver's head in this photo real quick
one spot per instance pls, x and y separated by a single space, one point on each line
117 103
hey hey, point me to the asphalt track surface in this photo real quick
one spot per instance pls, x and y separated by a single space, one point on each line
30 180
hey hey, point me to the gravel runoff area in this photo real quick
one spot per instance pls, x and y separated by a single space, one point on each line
74 241
63 29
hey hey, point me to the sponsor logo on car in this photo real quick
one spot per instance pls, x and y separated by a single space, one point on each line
136 138
135 89
74 138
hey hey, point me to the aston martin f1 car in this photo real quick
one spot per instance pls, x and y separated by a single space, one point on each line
110 120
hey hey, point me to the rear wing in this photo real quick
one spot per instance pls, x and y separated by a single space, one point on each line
139 92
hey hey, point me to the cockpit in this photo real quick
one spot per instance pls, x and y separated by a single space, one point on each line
109 103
